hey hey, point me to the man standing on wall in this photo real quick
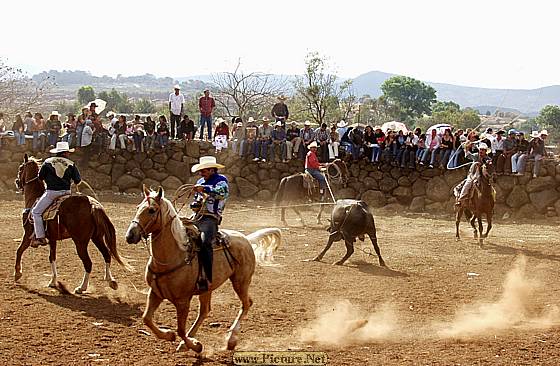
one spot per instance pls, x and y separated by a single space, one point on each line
206 106
280 111
176 102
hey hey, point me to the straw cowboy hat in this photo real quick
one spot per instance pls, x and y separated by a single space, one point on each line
239 124
342 123
307 123
220 120
177 86
265 119
250 120
55 113
313 144
483 146
282 97
535 134
205 163
61 146
544 132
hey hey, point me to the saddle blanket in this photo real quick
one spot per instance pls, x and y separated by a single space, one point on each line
221 240
51 211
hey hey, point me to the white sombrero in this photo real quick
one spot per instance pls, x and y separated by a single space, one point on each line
483 146
313 144
535 134
61 146
342 123
205 163
307 123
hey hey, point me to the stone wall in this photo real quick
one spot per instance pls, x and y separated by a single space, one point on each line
423 190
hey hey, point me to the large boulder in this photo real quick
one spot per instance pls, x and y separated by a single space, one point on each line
404 181
131 164
540 184
419 187
263 174
97 180
370 183
387 184
270 185
453 177
156 175
178 169
517 197
171 183
506 182
354 170
127 181
417 204
501 194
147 164
192 149
527 211
543 199
150 183
160 158
117 171
346 193
403 194
376 174
245 187
438 190
374 198
138 173
104 169
264 195
396 173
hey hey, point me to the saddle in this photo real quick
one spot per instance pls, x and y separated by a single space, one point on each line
52 211
221 240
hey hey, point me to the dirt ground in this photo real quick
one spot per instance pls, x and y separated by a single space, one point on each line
439 302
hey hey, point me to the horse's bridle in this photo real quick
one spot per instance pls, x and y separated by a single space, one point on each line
144 228
21 183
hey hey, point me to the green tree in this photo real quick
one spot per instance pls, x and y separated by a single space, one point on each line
118 102
86 94
440 106
411 96
144 106
319 89
549 117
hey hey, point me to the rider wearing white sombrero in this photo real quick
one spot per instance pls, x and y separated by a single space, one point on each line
57 172
216 187
313 167
480 157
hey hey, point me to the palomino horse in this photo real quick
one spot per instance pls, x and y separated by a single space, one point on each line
291 188
481 203
172 270
80 218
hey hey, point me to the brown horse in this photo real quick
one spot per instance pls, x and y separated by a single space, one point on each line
291 189
481 203
80 218
172 270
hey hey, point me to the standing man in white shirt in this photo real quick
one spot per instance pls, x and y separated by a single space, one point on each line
176 102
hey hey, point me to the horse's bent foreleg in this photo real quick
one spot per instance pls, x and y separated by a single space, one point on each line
296 210
52 260
480 230
182 315
488 223
25 241
349 251
100 244
373 237
472 222
321 208
457 222
203 311
241 288
331 240
81 248
152 304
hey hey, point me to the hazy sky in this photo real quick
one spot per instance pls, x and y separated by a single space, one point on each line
490 43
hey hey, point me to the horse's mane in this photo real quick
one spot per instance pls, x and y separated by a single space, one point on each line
177 228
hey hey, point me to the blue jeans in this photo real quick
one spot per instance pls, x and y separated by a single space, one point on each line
162 140
208 121
426 153
38 141
69 137
53 138
261 149
355 151
376 154
20 138
444 157
315 173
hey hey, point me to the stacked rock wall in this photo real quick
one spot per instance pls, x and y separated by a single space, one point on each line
424 190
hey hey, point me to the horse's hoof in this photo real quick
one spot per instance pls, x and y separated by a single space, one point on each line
339 263
197 346
78 291
182 347
316 259
232 342
113 284
382 263
457 238
17 276
52 284
168 335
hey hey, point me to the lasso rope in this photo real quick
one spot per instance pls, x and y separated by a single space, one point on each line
89 187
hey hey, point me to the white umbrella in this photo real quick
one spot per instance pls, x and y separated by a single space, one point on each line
394 126
100 105
440 128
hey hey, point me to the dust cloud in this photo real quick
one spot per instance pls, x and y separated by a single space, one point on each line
515 309
342 324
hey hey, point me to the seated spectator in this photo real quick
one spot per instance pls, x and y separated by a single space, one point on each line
334 143
263 141
53 128
279 142
356 137
221 135
80 125
503 165
149 134
99 132
39 133
537 150
28 122
431 147
497 146
186 129
322 137
519 159
248 144
398 147
237 136
369 143
409 152
119 134
378 145
307 136
445 148
162 132
420 146
19 130
70 126
293 141
457 153
138 134
387 153
87 132
343 131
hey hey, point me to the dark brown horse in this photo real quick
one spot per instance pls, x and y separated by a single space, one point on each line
80 218
481 203
292 191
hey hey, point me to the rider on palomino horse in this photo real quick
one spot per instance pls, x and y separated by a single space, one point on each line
474 171
313 167
216 187
57 172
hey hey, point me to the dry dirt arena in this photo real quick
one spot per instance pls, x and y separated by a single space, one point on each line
440 302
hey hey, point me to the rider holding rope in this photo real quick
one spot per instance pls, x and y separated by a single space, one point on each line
313 167
211 192
474 171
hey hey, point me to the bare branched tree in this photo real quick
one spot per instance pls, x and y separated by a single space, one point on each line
18 92
349 101
239 93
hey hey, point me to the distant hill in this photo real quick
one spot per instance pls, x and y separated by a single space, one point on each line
528 101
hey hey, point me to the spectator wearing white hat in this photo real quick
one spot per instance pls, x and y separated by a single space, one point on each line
537 150
238 136
278 142
264 139
307 136
53 128
519 159
176 102
248 143
293 141
221 135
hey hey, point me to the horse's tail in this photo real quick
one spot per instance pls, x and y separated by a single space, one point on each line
279 196
265 242
107 231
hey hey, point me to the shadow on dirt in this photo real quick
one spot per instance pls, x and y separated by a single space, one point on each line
377 270
99 308
505 250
